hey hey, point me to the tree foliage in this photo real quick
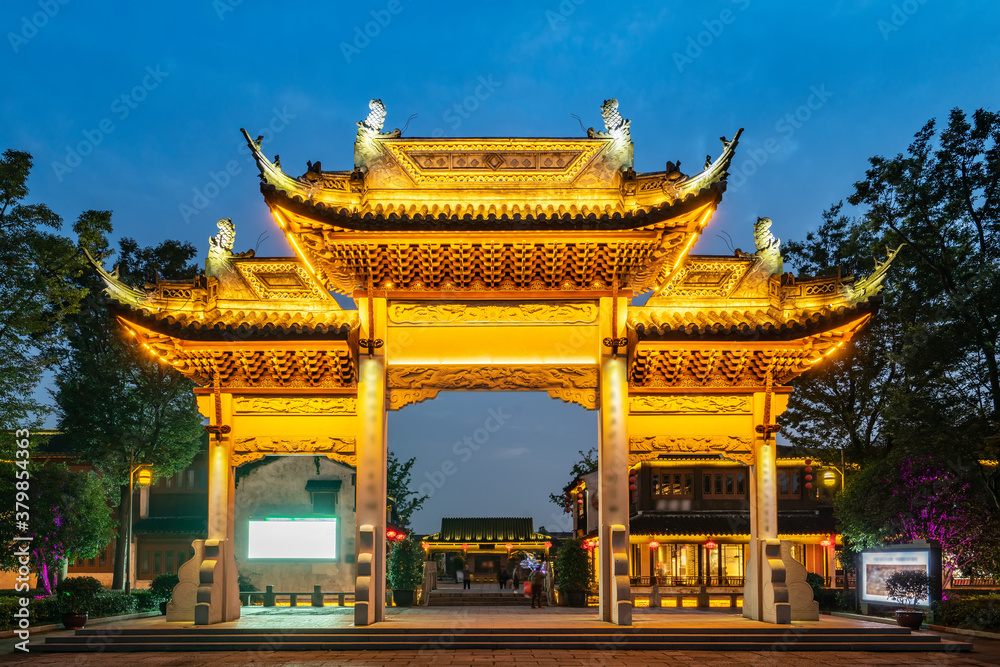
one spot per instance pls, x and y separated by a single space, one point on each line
398 488
38 289
922 382
70 517
586 465
116 402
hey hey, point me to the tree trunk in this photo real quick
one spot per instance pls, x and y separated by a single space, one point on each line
121 544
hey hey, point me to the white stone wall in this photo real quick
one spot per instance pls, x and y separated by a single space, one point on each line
279 489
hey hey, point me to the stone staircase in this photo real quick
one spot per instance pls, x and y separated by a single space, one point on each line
782 639
480 598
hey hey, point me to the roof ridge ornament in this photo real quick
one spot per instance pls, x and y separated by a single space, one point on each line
870 285
768 246
115 288
616 127
366 152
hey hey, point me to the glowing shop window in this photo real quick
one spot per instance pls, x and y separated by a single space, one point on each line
293 538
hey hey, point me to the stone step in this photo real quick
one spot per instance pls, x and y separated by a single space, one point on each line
310 639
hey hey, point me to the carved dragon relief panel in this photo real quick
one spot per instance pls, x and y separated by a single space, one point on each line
338 449
412 384
736 448
488 312
690 405
313 405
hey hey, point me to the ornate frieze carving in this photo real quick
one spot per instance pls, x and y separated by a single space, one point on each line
585 397
399 398
732 447
240 459
341 449
493 378
313 405
489 312
690 405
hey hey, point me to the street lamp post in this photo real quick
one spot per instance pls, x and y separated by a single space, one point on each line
144 477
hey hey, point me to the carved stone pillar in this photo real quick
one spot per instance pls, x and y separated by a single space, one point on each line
369 592
217 597
613 575
765 595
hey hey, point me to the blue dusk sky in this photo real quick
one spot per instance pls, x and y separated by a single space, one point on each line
136 107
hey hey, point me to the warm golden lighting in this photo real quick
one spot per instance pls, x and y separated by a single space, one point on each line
144 477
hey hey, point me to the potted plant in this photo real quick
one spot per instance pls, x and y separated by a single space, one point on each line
573 573
163 587
908 587
405 571
76 595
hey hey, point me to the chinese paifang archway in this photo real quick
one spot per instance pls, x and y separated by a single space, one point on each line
491 264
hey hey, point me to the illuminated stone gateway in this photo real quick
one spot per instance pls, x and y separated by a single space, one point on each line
491 264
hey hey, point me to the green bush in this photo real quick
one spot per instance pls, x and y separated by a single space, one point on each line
41 611
113 603
78 593
573 569
815 581
163 586
833 600
976 612
146 601
406 565
245 583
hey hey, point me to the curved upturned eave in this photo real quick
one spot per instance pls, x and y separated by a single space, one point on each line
785 331
341 219
231 333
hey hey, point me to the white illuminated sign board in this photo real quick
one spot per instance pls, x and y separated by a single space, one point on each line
293 539
877 566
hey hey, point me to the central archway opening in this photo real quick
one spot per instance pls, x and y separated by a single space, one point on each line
490 455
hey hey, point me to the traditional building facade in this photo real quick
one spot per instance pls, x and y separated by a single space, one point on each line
492 264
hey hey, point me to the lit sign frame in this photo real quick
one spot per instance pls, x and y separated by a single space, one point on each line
875 565
279 541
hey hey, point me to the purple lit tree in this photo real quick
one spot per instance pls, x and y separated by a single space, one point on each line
911 497
69 519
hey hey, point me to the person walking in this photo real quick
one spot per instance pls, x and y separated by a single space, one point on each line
466 577
537 584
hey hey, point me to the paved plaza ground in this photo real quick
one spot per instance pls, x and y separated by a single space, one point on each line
451 621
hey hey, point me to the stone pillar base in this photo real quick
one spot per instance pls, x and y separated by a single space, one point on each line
208 590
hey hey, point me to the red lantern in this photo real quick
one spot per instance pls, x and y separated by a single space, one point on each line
465 547
548 545
509 546
400 537
390 534
809 462
825 542
710 544
809 485
809 478
654 545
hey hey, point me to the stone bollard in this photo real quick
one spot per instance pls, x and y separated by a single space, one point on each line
703 599
317 596
654 596
269 596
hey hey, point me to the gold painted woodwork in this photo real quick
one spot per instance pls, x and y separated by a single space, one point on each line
336 448
493 312
736 448
258 405
690 405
